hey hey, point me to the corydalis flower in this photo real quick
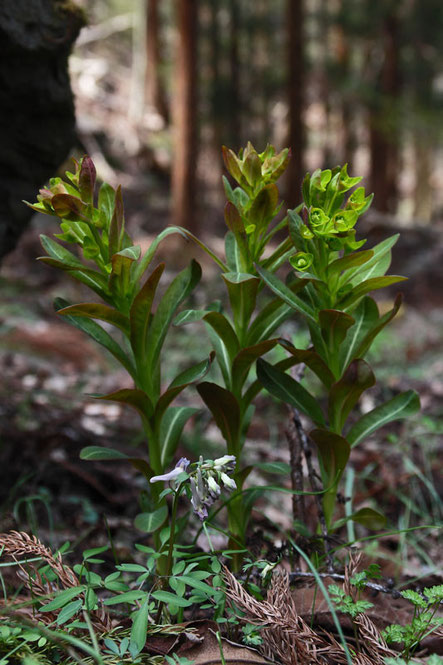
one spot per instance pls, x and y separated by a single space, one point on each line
179 468
207 481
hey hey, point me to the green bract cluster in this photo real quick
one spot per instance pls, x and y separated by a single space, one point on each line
254 204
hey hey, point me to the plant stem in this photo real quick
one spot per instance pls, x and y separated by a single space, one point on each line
302 437
169 559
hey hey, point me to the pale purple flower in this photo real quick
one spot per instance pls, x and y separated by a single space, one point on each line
181 466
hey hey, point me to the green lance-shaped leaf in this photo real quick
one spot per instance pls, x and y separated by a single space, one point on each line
233 219
346 392
334 325
137 399
171 598
349 261
232 164
150 522
91 278
333 453
146 259
120 277
312 360
245 358
125 258
101 453
373 284
57 251
267 321
63 598
226 411
170 431
263 207
128 597
97 333
178 290
251 169
139 632
184 379
98 311
256 386
368 517
365 317
189 316
242 290
298 231
378 327
237 252
286 294
224 340
61 258
284 387
140 313
397 408
281 253
377 265
106 198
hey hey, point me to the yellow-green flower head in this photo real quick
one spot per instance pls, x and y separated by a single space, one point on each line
318 217
345 220
301 261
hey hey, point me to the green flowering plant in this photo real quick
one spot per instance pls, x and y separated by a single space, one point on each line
95 223
247 332
343 321
328 287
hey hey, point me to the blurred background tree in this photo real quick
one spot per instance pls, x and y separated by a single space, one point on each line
160 85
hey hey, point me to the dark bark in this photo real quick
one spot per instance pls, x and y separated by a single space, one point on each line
234 116
383 133
155 93
37 120
295 100
185 118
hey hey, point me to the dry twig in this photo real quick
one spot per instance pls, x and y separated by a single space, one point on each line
19 544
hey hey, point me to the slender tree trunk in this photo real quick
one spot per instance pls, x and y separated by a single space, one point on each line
216 104
295 98
185 118
383 130
348 107
234 116
155 94
423 152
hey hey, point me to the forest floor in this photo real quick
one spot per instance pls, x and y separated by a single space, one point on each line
48 370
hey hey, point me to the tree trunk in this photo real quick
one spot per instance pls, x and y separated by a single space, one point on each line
37 120
295 100
234 116
155 94
185 118
423 153
383 130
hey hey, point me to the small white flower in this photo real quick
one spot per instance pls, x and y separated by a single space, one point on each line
224 461
228 482
213 486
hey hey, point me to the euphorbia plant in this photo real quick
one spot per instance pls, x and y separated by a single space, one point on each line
328 288
343 322
244 335
118 277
